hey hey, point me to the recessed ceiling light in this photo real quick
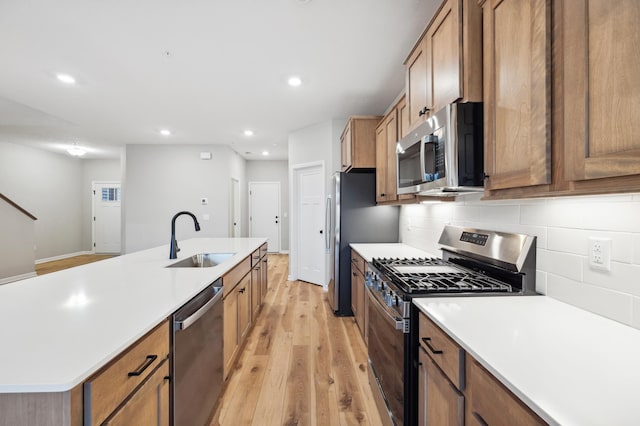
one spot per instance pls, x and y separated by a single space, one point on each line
295 81
265 152
248 132
165 132
66 78
76 151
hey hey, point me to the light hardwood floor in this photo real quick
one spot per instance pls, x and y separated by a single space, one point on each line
70 262
301 365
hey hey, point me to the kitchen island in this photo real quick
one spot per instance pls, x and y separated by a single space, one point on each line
59 329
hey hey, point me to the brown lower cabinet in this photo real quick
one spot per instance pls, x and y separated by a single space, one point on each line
358 291
454 389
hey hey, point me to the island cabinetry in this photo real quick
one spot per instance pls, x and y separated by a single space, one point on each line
445 65
357 290
517 91
128 386
259 267
237 311
358 143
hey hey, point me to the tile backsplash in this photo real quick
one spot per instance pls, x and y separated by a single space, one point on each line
563 227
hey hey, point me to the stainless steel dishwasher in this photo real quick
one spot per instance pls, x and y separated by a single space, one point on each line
196 357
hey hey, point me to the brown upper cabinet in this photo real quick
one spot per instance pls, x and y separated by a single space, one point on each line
358 143
517 109
386 139
560 97
601 90
446 63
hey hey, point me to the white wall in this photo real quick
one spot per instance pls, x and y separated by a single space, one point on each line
49 186
18 239
563 226
162 180
318 143
274 171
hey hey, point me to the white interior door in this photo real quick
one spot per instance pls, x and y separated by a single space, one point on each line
264 219
234 204
106 217
310 237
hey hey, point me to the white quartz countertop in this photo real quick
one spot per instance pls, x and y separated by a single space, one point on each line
58 329
371 250
570 366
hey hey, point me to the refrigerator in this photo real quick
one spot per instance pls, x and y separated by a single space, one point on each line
355 218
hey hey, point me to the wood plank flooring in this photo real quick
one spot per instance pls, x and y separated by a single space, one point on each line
70 262
301 365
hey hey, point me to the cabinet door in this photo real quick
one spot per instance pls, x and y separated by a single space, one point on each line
149 405
601 88
230 335
391 133
360 302
381 163
444 56
244 307
354 290
517 93
345 146
264 285
417 86
439 402
256 289
403 119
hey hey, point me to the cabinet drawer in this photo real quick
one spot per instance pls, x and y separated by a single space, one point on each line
490 402
233 277
443 350
263 250
358 261
108 388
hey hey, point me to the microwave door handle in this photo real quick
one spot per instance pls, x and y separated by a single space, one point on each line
423 169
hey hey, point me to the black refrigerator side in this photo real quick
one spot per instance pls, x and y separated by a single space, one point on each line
357 220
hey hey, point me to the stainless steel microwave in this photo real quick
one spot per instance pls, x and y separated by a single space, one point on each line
445 154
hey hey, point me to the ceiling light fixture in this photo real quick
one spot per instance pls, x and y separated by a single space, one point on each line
294 81
248 132
76 151
265 152
66 78
165 132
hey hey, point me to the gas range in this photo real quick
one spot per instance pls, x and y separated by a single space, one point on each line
474 263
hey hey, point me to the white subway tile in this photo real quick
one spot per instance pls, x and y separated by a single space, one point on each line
608 303
558 263
541 282
636 249
623 277
635 312
576 241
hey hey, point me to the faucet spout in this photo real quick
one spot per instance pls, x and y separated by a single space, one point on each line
173 246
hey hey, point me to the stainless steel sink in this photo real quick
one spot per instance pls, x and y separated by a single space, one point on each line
201 260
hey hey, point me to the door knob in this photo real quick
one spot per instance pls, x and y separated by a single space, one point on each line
321 231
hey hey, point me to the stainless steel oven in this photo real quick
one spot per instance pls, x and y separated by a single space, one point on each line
475 263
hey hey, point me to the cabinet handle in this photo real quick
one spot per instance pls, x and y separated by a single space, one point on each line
479 419
167 378
257 268
149 360
354 274
486 176
433 350
242 290
383 195
423 111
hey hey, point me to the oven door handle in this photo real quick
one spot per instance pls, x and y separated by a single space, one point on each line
398 323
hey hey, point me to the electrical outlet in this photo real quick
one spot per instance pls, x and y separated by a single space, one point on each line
600 253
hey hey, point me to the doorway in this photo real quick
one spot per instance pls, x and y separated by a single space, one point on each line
309 222
106 205
264 213
234 206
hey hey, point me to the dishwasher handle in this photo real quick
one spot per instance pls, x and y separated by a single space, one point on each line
191 319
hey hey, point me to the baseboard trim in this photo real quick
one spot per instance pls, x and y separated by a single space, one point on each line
290 278
283 252
17 278
62 256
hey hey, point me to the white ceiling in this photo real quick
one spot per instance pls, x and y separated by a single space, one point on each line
205 69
